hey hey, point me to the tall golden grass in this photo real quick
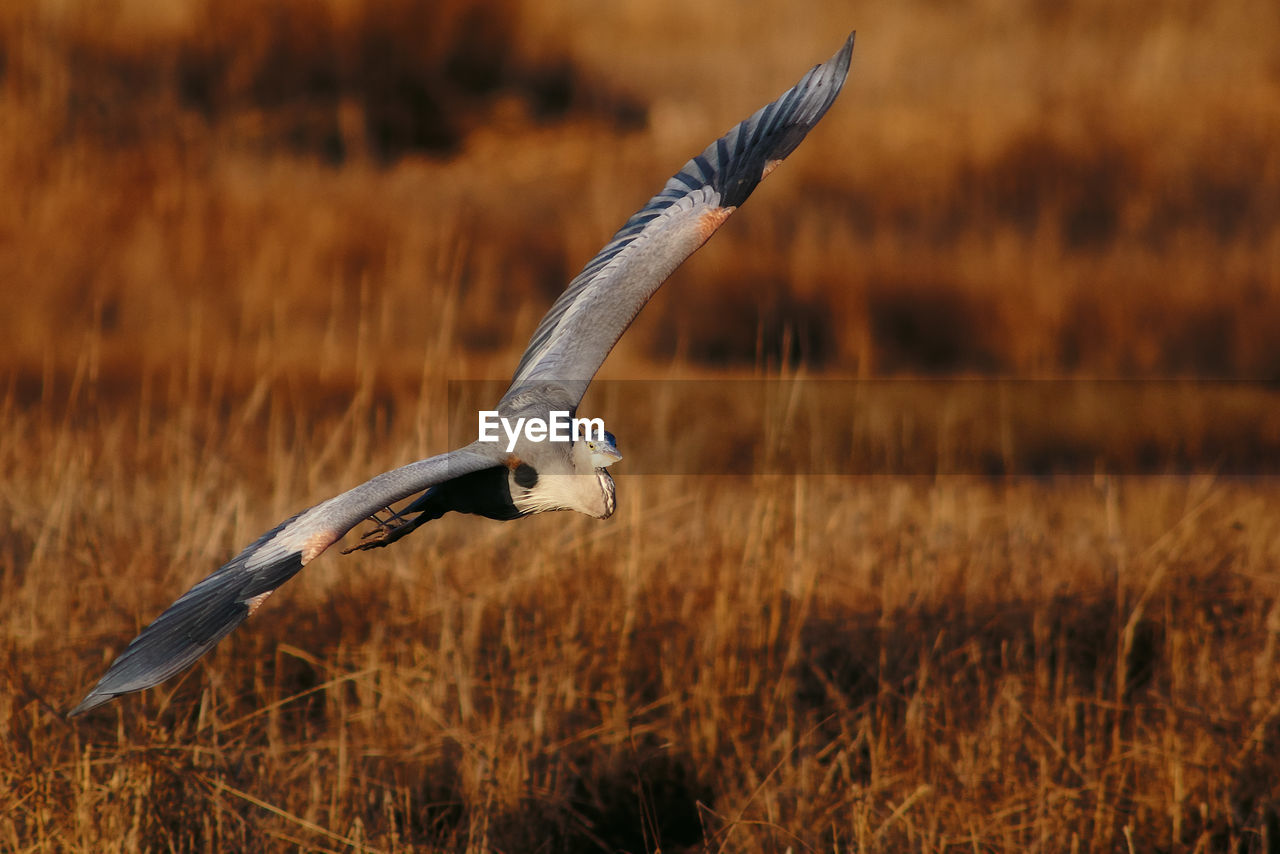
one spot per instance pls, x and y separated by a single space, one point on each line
245 252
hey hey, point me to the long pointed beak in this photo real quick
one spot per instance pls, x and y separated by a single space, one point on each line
605 451
604 457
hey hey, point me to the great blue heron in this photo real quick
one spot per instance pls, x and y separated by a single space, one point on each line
484 478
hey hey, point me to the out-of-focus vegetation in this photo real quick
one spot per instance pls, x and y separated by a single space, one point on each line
245 248
1004 188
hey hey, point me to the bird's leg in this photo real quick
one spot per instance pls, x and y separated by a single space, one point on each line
388 530
393 520
399 523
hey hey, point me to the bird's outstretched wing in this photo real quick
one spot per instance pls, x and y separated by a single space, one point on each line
582 326
208 612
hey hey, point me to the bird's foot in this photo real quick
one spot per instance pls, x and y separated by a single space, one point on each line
388 530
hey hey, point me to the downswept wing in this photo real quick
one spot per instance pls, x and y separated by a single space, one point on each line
208 612
599 304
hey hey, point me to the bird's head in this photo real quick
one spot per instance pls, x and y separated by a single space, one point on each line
604 451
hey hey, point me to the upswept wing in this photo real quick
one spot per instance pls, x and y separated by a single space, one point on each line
208 612
599 304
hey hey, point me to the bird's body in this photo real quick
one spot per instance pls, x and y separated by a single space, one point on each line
487 478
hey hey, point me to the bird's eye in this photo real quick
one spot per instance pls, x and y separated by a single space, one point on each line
591 445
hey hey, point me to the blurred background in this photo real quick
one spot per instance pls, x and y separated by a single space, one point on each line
1067 189
253 253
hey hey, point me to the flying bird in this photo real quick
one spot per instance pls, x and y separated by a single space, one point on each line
484 478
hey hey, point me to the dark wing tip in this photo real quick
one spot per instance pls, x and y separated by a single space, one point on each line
774 131
91 701
732 166
209 611
182 634
845 53
194 624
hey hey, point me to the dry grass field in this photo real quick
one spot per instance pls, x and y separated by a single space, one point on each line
980 552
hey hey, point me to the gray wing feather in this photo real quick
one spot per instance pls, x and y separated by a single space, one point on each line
211 609
582 326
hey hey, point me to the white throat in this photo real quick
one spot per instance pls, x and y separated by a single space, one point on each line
592 494
586 488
